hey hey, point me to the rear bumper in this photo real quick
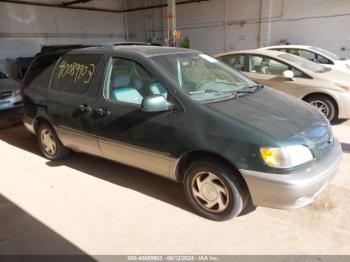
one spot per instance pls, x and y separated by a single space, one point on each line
29 124
293 190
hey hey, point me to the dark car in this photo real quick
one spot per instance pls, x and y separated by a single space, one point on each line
185 116
10 92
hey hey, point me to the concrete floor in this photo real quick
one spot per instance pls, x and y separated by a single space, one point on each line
87 205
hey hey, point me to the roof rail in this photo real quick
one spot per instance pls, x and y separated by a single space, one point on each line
53 48
132 43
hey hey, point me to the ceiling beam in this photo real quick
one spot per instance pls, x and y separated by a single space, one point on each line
68 3
71 6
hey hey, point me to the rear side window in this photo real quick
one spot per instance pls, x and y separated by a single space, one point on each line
305 54
75 73
40 71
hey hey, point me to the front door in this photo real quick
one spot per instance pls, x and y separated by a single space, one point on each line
125 133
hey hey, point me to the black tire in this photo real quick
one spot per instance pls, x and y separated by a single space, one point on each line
60 151
236 189
326 101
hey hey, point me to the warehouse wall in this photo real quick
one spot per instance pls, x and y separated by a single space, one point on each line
220 25
23 29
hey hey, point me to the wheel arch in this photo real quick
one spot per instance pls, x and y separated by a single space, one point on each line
38 120
189 157
329 96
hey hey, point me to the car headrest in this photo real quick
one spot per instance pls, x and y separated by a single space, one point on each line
120 81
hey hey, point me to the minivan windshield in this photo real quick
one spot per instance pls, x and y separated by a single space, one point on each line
325 52
203 77
305 63
2 75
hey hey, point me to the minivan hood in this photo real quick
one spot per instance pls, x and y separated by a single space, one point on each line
279 116
9 85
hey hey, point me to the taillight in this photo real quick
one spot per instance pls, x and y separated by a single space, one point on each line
22 95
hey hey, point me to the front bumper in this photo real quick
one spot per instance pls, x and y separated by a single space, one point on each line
344 106
11 102
288 191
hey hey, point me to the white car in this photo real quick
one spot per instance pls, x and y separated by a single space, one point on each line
326 89
315 54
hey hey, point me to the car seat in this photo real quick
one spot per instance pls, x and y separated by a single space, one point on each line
265 68
158 89
122 90
128 95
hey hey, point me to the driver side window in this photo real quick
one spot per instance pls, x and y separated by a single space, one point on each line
304 54
267 66
235 61
129 82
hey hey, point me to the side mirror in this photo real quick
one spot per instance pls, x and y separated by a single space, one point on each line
288 74
155 103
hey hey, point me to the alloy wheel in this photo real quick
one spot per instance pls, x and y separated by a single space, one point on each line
321 106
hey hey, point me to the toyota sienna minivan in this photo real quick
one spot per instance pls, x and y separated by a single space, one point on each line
183 115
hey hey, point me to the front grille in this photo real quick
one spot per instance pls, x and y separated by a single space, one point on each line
6 94
325 143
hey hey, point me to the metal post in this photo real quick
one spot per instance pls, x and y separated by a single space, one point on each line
171 22
126 26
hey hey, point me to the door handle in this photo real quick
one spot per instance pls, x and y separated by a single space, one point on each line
102 112
85 108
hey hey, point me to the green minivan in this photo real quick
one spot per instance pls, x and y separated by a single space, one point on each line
183 115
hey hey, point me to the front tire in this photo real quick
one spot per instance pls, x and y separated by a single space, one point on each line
325 105
215 191
49 143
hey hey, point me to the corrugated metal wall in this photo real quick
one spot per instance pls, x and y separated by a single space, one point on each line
23 28
220 25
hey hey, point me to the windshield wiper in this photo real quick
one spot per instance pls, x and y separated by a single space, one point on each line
256 87
247 90
204 91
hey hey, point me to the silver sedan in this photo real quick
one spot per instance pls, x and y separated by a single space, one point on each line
10 92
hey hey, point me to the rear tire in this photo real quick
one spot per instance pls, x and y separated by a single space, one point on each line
214 190
325 105
49 143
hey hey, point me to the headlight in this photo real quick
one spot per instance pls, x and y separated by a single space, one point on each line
286 157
